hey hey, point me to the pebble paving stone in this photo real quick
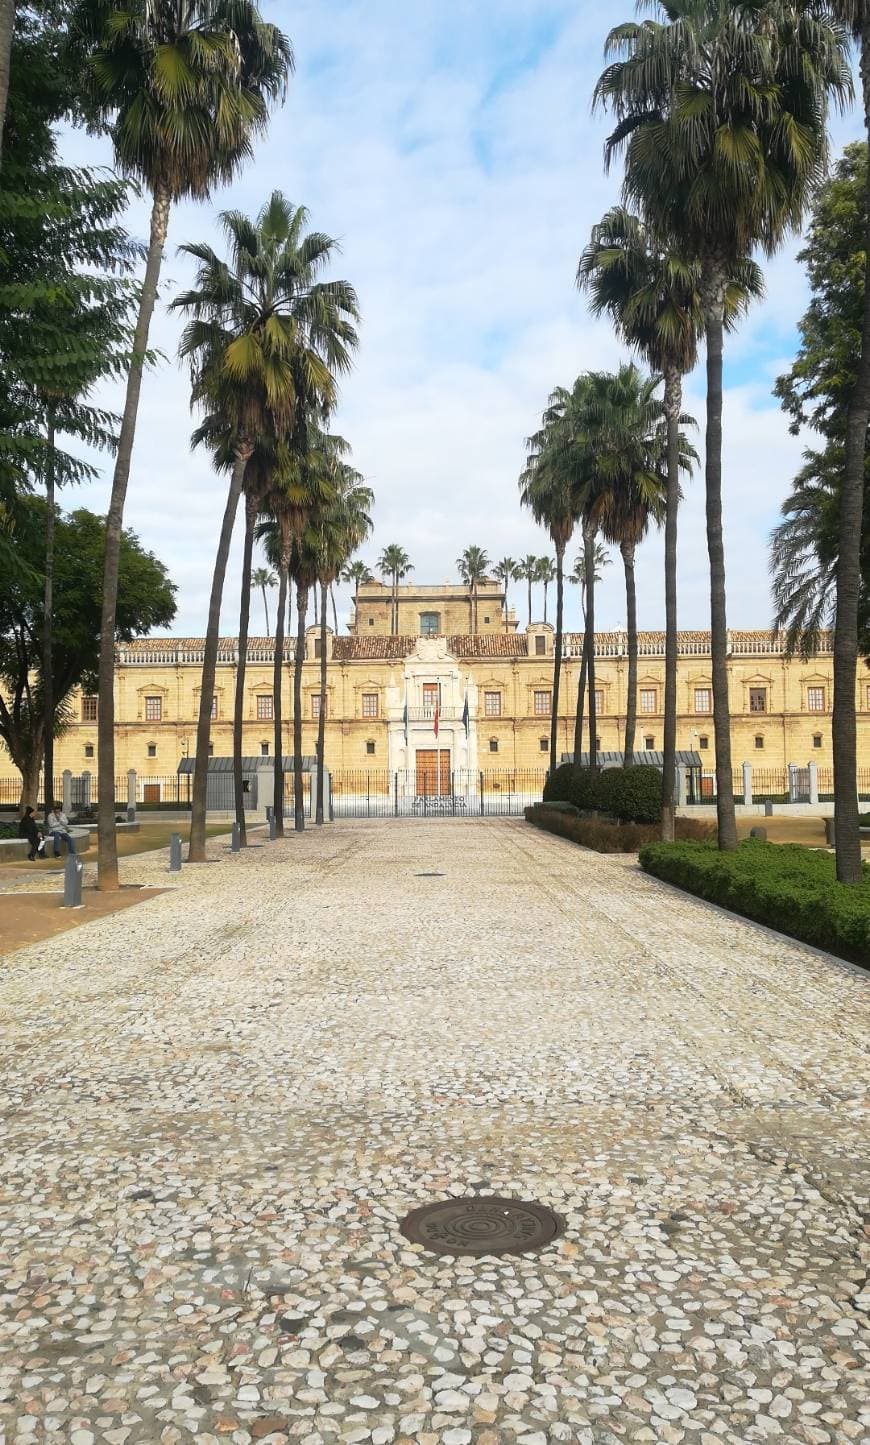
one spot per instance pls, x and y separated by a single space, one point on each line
219 1107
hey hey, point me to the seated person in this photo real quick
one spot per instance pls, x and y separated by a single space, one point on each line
27 829
57 824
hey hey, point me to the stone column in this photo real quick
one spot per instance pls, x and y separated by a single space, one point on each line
747 783
86 789
131 795
680 789
67 791
814 784
792 783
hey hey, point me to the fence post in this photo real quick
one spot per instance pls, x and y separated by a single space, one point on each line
72 882
175 852
273 827
792 783
395 795
680 789
368 795
235 839
747 784
481 794
131 795
67 791
86 789
814 784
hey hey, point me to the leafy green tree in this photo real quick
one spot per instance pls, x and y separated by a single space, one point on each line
721 112
506 572
394 563
147 601
472 567
182 89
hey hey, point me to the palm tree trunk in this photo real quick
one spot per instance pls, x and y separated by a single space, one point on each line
844 722
627 549
589 549
7 26
241 669
557 657
546 586
266 611
714 321
107 849
298 796
673 407
334 608
315 618
581 696
199 804
321 720
277 681
47 621
529 579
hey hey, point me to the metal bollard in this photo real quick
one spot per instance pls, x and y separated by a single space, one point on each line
236 841
273 828
270 812
175 852
72 882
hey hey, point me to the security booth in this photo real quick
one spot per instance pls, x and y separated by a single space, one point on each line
258 782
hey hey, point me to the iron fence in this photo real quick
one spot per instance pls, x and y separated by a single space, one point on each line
422 793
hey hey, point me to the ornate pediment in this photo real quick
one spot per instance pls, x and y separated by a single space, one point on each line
431 649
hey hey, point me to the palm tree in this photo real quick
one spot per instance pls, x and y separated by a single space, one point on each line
394 563
183 90
359 573
600 558
547 489
264 577
721 111
266 339
652 295
546 575
506 572
275 535
472 567
527 569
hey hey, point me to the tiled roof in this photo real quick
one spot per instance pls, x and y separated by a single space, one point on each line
357 649
489 644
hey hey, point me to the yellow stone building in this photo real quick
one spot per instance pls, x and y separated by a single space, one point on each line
384 693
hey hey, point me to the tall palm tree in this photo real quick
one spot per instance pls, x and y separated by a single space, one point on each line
183 89
264 577
527 570
506 572
600 558
721 112
266 338
472 566
395 564
274 532
546 575
359 573
855 14
547 489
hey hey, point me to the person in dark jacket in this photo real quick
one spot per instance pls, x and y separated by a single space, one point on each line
27 829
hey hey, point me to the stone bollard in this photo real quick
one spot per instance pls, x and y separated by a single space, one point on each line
768 810
830 833
235 839
66 786
273 827
175 852
131 795
758 833
72 882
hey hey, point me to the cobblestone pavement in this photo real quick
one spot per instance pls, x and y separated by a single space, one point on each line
219 1106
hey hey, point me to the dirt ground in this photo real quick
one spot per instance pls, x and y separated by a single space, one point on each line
149 837
31 917
810 831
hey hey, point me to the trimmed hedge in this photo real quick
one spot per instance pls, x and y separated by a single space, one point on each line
784 886
633 795
602 834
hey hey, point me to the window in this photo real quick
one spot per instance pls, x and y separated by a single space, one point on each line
649 743
371 622
540 646
370 704
318 647
486 621
211 750
370 748
703 744
316 699
493 745
214 706
430 624
543 703
152 750
598 745
817 740
599 699
265 707
264 750
759 741
492 704
89 709
89 750
703 699
815 699
648 699
545 745
153 709
758 699
431 691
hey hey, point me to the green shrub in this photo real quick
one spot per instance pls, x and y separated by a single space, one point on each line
605 836
558 784
559 807
784 886
634 795
572 785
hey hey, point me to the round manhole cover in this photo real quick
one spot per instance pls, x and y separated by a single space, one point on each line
482 1225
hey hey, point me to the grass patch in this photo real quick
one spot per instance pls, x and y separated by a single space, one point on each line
604 835
784 886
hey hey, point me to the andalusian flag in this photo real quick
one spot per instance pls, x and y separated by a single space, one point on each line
437 711
465 713
405 715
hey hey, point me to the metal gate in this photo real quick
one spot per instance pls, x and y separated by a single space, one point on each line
434 792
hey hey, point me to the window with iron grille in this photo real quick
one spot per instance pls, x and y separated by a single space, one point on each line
153 709
758 699
316 700
370 748
492 704
493 745
648 699
370 704
759 741
152 750
430 624
703 699
264 750
89 709
265 707
431 693
815 699
599 700
543 703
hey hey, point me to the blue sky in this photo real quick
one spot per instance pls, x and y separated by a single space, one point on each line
451 148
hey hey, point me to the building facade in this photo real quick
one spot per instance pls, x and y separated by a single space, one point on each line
435 702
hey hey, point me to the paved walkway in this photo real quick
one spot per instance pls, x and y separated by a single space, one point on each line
220 1105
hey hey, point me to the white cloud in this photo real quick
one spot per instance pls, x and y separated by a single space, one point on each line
451 149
